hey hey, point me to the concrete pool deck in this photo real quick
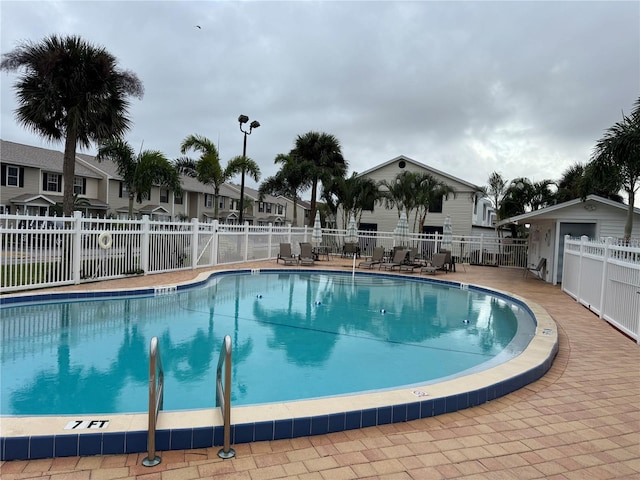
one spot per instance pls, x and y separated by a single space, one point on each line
581 420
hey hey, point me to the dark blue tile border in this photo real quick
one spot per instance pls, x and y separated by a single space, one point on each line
47 446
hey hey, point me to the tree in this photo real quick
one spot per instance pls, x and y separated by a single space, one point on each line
140 172
430 191
570 183
207 169
71 90
618 154
400 193
354 194
288 181
495 191
245 166
323 153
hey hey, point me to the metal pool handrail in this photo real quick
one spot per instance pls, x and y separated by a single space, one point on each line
156 397
223 396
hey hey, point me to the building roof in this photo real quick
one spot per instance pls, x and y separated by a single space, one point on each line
423 166
37 157
544 212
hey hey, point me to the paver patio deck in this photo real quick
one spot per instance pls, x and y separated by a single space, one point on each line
580 421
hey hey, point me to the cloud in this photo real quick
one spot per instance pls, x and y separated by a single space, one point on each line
525 88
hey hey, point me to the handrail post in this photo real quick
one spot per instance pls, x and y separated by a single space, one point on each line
156 400
223 396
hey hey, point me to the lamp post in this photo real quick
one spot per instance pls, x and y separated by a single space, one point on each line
242 119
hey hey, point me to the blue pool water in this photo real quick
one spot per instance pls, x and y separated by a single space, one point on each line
295 336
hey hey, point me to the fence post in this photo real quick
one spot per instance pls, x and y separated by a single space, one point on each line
289 233
76 259
195 230
269 240
246 241
145 247
213 259
481 251
605 274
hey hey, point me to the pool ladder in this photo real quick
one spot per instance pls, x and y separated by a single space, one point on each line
156 397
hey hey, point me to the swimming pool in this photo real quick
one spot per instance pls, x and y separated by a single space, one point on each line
295 336
262 295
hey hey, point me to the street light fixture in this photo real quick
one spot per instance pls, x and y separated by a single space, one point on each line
242 119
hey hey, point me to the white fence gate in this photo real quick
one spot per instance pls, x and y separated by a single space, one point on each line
605 278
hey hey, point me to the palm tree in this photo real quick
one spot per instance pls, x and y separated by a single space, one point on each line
71 90
618 153
140 172
570 183
244 166
207 169
400 193
495 190
354 194
430 191
288 181
323 153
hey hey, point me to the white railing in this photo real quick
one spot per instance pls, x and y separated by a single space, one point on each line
604 276
52 251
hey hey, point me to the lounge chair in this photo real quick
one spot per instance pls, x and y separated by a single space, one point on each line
438 262
537 269
398 259
285 255
376 258
306 254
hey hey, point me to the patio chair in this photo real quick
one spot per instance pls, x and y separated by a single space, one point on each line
285 255
438 262
537 269
376 258
306 254
350 249
398 259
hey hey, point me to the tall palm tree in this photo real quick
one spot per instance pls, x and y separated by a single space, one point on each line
570 183
324 154
288 181
429 192
244 166
618 153
207 169
71 90
140 172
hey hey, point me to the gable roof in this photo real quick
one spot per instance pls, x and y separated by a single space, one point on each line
423 166
560 206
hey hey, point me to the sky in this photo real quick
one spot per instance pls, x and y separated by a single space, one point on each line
468 88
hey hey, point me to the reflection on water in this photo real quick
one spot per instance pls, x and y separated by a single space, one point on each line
294 336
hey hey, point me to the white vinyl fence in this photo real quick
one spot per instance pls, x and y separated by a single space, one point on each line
605 277
52 251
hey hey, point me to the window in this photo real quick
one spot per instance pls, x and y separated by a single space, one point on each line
124 191
269 207
5 209
220 202
261 206
280 209
51 182
79 186
177 198
475 205
436 206
234 204
164 195
11 176
208 200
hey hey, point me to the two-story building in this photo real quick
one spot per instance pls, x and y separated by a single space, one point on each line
469 211
31 183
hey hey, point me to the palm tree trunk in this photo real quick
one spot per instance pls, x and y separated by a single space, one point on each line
312 214
68 172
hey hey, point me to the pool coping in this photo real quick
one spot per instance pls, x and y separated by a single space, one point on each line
23 438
